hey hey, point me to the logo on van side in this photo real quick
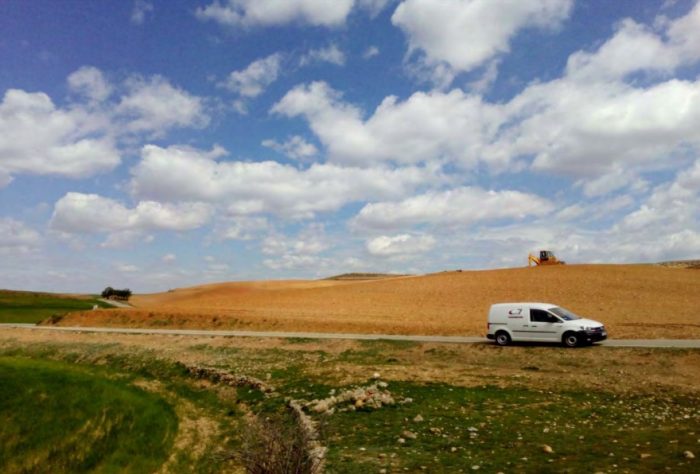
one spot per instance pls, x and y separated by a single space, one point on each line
515 313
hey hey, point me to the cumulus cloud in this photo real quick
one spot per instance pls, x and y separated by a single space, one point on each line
153 105
140 10
329 54
370 52
90 213
16 236
590 125
248 13
429 126
309 241
252 81
640 48
186 174
294 147
618 129
91 83
400 245
36 137
240 227
460 206
374 7
461 35
82 139
295 262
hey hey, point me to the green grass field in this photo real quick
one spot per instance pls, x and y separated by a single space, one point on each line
458 408
26 307
56 417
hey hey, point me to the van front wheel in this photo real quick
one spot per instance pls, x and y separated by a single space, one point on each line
502 338
571 339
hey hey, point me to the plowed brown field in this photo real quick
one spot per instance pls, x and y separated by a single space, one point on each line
633 301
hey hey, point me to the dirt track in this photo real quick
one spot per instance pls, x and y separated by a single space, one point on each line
634 301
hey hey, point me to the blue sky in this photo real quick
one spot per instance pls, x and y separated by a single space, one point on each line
151 144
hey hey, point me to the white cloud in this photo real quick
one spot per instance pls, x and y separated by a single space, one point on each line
252 81
294 147
16 236
275 12
154 105
140 10
329 54
125 238
462 206
186 174
425 127
81 139
127 268
91 213
370 52
589 125
295 262
301 252
240 227
36 137
671 207
400 245
374 7
168 258
636 47
309 241
91 83
462 35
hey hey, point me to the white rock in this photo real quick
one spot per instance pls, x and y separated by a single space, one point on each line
689 455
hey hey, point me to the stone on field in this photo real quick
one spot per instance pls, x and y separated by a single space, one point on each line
689 455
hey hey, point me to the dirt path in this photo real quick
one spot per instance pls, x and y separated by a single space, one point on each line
116 304
649 343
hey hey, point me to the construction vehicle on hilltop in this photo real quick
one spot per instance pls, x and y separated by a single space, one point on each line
546 258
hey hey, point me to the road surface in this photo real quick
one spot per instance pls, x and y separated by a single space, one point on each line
649 343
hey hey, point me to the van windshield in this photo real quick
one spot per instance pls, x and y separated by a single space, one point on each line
564 314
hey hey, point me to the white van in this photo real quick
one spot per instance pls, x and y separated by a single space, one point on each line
541 322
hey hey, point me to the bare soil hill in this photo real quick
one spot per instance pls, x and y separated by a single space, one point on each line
634 301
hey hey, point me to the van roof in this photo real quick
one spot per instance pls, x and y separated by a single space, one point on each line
531 304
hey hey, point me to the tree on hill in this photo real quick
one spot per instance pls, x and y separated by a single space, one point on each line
113 294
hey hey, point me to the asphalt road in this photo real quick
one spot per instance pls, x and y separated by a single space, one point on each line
650 343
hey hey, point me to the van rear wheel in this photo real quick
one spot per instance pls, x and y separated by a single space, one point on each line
502 338
571 339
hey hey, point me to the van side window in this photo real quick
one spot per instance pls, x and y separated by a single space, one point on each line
541 316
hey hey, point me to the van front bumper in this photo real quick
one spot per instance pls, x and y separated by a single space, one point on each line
590 336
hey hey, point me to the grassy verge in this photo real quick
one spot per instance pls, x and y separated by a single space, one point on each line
63 418
454 429
457 408
100 408
26 307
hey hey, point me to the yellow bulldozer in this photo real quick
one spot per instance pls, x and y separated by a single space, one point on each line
546 258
